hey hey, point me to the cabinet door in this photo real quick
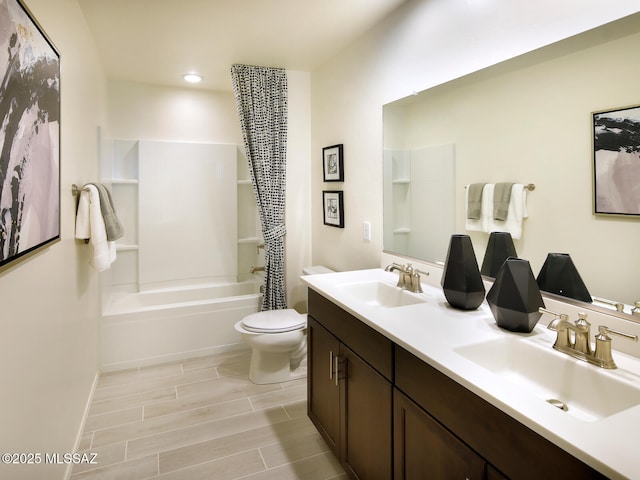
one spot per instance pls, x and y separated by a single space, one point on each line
367 413
493 474
323 404
425 449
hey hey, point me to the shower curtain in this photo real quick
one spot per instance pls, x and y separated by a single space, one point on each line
261 99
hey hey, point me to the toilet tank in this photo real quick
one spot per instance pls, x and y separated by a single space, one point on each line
316 269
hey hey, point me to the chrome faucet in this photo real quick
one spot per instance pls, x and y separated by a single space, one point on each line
408 277
580 346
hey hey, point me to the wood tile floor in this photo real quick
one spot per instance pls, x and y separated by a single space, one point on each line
202 419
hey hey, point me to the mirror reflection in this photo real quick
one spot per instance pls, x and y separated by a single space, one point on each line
527 120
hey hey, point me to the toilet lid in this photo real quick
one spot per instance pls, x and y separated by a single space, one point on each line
274 321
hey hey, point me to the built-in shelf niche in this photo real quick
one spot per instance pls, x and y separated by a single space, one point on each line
400 199
120 171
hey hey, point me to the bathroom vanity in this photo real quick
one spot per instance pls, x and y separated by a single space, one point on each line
401 386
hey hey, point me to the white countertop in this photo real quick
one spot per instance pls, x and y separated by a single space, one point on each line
433 331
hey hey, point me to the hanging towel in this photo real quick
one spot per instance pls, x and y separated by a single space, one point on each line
480 224
501 199
516 213
474 200
111 223
90 225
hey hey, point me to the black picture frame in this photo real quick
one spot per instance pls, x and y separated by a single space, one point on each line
29 137
333 163
333 208
616 161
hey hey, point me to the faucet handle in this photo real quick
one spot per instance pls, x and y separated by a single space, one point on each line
559 325
416 285
561 316
603 345
603 330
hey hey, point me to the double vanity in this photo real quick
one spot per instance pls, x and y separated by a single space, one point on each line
401 385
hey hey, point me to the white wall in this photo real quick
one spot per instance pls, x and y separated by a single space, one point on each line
147 112
424 43
49 302
298 201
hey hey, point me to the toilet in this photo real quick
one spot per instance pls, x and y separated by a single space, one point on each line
278 341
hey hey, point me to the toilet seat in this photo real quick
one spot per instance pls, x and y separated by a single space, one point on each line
274 321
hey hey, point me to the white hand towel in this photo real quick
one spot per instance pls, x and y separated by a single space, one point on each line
90 225
83 227
516 213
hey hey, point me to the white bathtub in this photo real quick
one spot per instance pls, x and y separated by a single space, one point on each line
167 325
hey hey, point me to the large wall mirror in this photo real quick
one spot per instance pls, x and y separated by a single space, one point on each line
527 120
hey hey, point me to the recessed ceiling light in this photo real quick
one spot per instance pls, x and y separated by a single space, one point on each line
192 77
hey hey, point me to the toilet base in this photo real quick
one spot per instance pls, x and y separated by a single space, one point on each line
274 367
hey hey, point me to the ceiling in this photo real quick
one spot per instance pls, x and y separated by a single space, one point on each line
156 41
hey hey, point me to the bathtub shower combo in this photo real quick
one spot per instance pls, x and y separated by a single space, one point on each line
183 276
171 324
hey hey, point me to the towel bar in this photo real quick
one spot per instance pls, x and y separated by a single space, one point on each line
530 186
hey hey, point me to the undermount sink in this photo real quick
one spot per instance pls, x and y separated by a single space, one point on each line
381 294
581 390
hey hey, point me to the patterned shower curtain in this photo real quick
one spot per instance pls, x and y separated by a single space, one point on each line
261 99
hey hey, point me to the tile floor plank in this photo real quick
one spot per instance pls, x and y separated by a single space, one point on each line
202 418
175 421
227 468
140 468
227 445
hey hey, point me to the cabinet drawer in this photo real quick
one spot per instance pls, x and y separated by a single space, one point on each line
371 346
511 447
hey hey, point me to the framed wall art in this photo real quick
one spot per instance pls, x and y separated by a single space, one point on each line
333 163
29 135
616 161
332 202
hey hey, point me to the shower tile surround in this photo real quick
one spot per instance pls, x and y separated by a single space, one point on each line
202 418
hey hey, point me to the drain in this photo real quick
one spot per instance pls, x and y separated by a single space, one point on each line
558 404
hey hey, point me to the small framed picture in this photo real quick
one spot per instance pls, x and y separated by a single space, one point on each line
333 163
333 205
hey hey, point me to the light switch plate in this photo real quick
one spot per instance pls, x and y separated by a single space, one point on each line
366 231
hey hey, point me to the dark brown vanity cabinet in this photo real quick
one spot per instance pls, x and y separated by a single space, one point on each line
350 390
388 414
452 422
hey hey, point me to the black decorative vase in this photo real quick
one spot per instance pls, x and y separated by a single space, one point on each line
559 275
499 248
461 280
515 297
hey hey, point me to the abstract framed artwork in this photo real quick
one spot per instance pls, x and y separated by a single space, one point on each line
616 161
332 202
29 135
333 163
